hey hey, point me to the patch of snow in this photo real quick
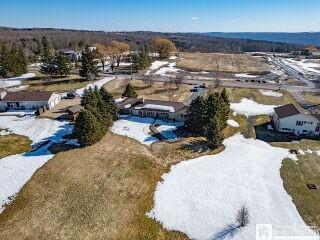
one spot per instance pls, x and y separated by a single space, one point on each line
5 133
156 65
136 128
245 75
159 107
270 93
16 81
270 128
318 152
201 197
233 123
16 170
166 129
173 58
309 151
19 113
120 100
139 128
73 142
99 84
292 157
249 107
301 152
170 69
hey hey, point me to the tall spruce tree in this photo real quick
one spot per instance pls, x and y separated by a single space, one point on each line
208 117
129 92
196 116
62 65
88 69
87 128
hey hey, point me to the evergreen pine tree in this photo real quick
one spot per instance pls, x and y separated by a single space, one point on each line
4 54
129 92
196 116
62 64
48 66
88 69
87 128
109 103
46 47
225 97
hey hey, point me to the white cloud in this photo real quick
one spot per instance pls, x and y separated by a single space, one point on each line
195 18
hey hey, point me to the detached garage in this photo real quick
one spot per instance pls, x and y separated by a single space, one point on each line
29 100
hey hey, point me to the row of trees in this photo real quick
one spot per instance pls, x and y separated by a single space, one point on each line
208 117
98 115
12 61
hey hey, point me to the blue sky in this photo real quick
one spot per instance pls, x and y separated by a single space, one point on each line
165 15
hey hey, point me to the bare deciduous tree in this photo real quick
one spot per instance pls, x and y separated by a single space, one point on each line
243 216
163 46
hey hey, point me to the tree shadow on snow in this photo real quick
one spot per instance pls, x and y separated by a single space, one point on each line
227 232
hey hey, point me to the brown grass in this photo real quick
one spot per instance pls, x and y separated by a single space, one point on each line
313 98
157 91
233 63
56 84
236 94
13 144
101 192
296 176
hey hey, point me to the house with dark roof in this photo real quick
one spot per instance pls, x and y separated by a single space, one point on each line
153 108
293 119
26 100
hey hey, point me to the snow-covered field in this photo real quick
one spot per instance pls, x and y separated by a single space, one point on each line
156 65
303 66
270 93
139 129
249 107
201 197
16 81
98 83
16 170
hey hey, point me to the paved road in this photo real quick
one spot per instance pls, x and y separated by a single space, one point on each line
225 83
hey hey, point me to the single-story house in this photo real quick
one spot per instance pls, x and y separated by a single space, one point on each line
153 108
292 119
74 111
28 100
72 55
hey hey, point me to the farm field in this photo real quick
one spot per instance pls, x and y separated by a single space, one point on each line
231 63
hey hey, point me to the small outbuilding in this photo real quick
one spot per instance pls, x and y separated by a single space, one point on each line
74 111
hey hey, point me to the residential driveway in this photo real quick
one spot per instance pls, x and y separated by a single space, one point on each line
59 111
200 93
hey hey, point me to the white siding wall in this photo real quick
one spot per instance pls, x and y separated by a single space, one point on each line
289 124
30 105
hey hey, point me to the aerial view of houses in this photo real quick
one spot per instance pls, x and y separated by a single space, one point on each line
168 120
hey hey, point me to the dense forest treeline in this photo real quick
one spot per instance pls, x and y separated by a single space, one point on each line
30 40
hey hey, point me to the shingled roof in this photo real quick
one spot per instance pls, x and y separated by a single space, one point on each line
287 110
26 96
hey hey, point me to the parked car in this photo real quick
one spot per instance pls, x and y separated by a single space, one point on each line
194 90
71 95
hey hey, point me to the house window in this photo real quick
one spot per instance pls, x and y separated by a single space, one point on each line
299 123
318 129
